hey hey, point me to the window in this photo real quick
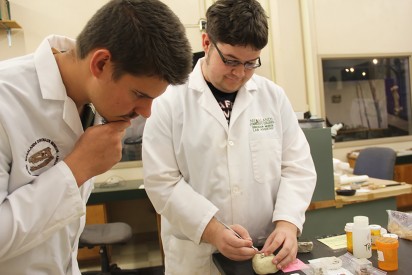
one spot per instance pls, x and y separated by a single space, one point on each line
370 96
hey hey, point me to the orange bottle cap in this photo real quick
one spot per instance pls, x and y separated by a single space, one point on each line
386 242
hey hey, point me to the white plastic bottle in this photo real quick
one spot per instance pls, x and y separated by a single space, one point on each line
361 235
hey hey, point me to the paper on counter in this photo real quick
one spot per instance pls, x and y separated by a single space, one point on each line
363 190
335 242
344 179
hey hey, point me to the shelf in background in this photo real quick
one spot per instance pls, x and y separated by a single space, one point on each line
9 24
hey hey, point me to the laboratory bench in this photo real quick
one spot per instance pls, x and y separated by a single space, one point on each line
124 190
125 201
403 173
327 213
330 217
229 267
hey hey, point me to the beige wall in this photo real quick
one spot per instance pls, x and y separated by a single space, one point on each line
301 32
288 52
353 27
43 17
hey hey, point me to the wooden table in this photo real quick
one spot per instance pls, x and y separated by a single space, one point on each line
384 192
403 173
333 214
380 193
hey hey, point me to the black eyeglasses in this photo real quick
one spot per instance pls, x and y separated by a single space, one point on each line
249 65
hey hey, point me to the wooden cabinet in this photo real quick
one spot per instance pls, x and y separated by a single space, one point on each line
95 214
403 172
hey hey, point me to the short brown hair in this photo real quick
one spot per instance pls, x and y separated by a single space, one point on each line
238 23
144 37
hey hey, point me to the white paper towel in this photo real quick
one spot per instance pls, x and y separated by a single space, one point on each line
344 179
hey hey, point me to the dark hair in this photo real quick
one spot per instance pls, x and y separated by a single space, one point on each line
238 23
144 37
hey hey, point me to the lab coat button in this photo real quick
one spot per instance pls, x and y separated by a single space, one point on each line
231 143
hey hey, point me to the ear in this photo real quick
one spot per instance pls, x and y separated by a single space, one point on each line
99 62
206 43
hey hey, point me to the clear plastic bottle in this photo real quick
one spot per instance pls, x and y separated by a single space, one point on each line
361 235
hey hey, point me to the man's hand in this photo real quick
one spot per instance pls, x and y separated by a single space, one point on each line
97 150
227 243
285 235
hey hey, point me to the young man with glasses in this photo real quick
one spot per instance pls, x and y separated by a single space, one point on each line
231 153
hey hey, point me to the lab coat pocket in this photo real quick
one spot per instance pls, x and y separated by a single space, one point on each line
266 159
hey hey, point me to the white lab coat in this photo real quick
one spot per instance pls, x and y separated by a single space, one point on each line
42 209
253 172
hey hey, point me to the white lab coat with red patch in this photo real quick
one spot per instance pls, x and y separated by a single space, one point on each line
42 210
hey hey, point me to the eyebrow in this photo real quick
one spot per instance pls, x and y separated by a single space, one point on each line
237 59
142 93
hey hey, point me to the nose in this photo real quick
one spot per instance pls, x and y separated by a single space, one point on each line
239 70
144 108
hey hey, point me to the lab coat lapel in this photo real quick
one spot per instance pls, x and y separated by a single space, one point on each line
208 102
51 84
243 100
71 116
206 99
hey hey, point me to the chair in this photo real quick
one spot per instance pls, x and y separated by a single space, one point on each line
103 235
376 162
